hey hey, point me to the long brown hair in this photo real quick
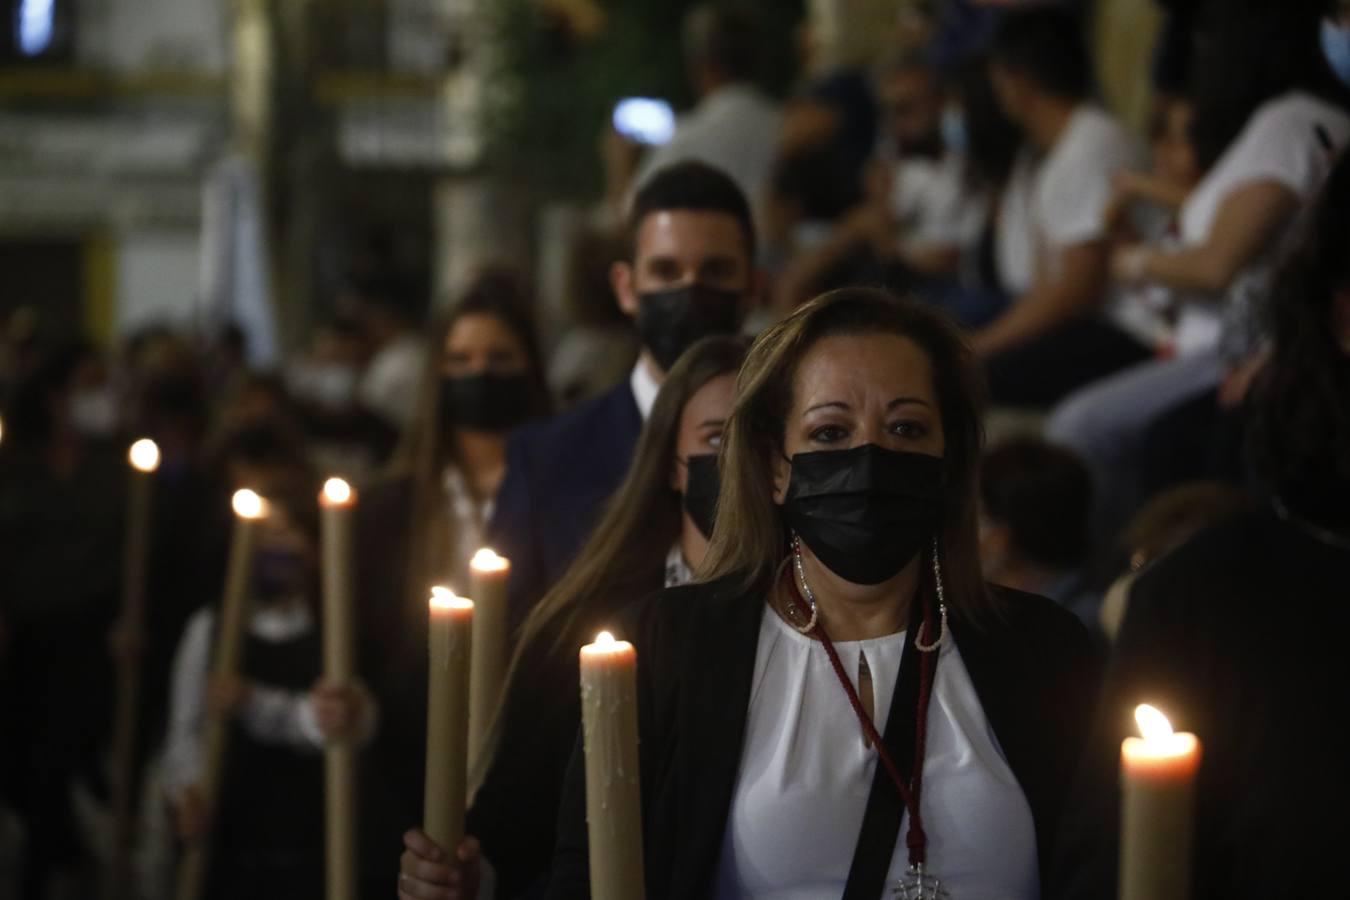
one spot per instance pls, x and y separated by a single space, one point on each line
751 539
625 556
428 446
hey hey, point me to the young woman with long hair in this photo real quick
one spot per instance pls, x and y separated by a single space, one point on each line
654 534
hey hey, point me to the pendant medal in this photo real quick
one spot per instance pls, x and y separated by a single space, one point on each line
916 884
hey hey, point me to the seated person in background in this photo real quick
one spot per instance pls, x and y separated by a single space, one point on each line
1262 171
653 535
267 832
1052 246
690 275
1034 504
920 210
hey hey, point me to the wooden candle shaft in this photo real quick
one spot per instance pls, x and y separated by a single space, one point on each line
613 789
229 645
339 667
447 728
1155 838
488 660
127 714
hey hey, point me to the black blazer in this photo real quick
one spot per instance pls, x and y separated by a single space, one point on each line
1239 636
559 474
1032 665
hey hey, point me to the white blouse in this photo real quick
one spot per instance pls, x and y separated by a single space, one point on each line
805 776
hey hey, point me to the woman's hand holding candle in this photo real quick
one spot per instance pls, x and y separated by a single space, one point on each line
341 710
426 873
227 694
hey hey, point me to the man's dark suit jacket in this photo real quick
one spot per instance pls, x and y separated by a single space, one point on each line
560 473
1032 665
1240 637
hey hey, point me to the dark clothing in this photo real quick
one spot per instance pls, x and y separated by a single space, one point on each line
559 474
1238 637
269 834
1046 369
515 812
1031 664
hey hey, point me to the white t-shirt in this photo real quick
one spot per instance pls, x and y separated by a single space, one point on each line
389 385
805 777
933 203
1057 201
1293 141
735 129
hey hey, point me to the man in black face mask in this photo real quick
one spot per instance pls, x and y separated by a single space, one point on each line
691 275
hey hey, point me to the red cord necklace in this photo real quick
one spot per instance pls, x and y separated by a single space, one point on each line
910 789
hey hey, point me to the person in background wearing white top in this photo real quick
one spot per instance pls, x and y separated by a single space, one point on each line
734 127
1059 331
1262 173
922 210
388 387
844 615
267 832
654 534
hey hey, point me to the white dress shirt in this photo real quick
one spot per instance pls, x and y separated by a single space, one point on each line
645 387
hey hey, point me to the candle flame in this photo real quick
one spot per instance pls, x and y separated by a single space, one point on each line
248 505
144 455
444 598
487 560
604 639
337 492
1152 723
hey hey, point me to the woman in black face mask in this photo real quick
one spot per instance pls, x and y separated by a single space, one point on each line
654 533
843 707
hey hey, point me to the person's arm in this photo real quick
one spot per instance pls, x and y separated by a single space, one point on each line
1245 225
182 761
1075 289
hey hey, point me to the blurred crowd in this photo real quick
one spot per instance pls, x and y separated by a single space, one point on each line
1123 294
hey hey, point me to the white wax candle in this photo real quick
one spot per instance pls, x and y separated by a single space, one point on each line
337 503
1157 800
613 786
451 627
489 574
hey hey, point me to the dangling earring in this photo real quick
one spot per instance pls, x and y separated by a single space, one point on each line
942 609
793 611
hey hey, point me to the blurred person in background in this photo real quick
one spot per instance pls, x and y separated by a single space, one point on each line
388 387
61 520
1059 331
653 534
733 128
1239 635
689 274
266 835
923 208
1035 500
1163 524
1269 119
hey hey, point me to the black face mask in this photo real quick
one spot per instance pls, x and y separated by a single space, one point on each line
277 574
701 487
486 401
670 321
865 512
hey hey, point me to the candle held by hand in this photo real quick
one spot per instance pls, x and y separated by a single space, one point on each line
337 502
450 640
489 574
1157 799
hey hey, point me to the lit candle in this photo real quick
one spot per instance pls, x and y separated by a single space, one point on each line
1158 792
488 575
337 502
249 509
144 459
451 628
613 789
